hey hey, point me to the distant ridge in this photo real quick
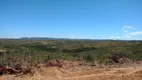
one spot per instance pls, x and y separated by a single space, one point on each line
42 38
50 38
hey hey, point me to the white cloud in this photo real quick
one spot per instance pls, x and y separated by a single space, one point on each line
135 33
127 34
125 31
113 37
130 35
126 27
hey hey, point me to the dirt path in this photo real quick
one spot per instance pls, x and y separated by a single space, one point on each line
92 74
106 74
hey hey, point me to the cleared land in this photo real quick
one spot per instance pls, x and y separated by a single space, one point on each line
55 73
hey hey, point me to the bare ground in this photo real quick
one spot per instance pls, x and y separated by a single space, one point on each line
81 73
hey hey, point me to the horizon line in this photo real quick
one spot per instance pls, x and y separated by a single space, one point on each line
71 38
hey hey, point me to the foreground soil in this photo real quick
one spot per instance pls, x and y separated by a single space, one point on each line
81 73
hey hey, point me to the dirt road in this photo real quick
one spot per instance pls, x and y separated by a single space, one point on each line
54 73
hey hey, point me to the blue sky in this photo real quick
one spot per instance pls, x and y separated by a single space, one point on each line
91 19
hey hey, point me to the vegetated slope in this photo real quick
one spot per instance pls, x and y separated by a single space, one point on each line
103 51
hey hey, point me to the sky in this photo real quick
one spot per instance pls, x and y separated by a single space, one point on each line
76 19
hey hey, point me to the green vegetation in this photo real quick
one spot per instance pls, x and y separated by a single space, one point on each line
36 51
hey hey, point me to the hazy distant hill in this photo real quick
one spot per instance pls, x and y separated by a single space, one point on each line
43 38
50 38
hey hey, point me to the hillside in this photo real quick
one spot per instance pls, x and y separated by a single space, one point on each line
71 59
